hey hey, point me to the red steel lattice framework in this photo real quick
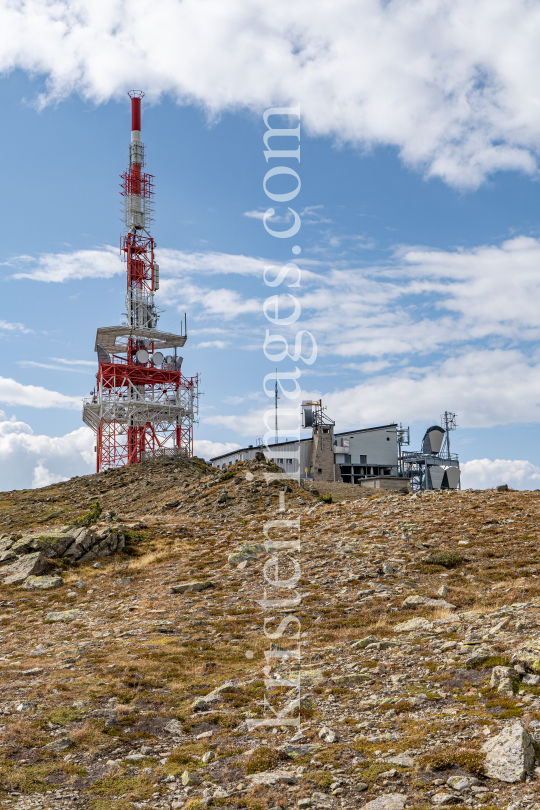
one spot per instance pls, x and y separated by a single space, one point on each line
142 405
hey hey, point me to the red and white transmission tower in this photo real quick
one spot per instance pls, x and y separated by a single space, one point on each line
142 405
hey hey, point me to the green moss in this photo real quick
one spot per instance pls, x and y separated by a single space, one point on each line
227 476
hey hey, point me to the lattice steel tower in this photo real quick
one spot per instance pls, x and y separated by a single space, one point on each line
142 405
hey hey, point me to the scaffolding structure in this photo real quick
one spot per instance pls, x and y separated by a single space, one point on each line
434 466
142 406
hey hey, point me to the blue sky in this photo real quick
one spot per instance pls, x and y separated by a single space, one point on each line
419 206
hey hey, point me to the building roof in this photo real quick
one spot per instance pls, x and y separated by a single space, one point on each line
295 441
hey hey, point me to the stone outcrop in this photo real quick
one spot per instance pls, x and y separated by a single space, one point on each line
24 557
510 755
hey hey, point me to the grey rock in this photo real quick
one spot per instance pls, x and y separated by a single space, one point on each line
61 744
272 778
7 557
24 567
403 760
201 704
327 735
425 601
390 801
192 587
294 751
63 615
461 783
246 551
442 798
208 757
501 679
531 680
388 569
413 626
34 583
174 727
363 642
478 656
510 755
84 540
443 591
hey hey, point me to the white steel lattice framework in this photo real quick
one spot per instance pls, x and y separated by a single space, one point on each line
142 406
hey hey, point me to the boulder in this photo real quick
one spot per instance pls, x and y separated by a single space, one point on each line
413 626
174 727
24 567
425 601
33 583
62 744
501 679
390 801
293 751
192 587
327 735
52 544
528 656
84 540
510 755
460 783
63 615
443 798
246 551
363 642
403 760
7 557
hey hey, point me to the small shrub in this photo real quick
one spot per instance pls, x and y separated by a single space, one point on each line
443 758
325 498
262 759
92 516
448 559
226 476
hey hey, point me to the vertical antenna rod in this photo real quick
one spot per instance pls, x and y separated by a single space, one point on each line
275 405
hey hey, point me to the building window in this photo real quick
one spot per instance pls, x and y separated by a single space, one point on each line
289 461
319 471
280 461
363 459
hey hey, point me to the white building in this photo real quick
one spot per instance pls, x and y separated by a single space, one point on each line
357 454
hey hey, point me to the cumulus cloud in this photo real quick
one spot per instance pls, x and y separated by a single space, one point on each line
483 473
29 460
34 396
204 448
452 85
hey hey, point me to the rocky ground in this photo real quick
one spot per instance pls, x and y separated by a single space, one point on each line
141 646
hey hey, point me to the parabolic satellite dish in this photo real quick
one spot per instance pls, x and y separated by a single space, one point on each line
157 358
142 356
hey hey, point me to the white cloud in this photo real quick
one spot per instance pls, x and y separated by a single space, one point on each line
204 448
43 477
5 326
452 85
254 214
58 267
27 460
212 344
483 473
34 396
485 388
36 364
91 363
